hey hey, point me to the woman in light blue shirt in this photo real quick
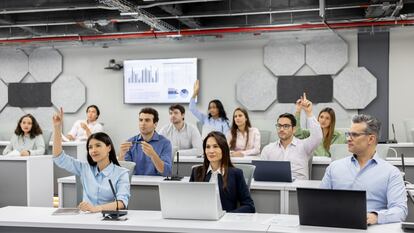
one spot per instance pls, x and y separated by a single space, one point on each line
216 120
95 174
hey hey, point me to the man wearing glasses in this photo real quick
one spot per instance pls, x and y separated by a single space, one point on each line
290 148
365 170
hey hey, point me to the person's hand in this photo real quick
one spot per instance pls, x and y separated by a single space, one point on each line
306 105
24 153
124 148
372 218
148 149
58 118
236 154
196 88
84 126
85 206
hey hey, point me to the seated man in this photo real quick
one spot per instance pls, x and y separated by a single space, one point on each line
290 148
365 170
185 137
82 129
150 151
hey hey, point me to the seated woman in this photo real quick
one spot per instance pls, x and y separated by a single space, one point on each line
243 139
82 129
216 120
27 138
217 167
95 174
326 119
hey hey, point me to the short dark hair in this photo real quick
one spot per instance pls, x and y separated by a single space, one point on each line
96 108
177 106
372 123
290 116
150 111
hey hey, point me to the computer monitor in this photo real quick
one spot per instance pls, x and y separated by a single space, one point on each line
274 171
332 208
190 200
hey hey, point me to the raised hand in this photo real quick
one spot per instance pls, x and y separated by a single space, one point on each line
196 88
58 118
306 105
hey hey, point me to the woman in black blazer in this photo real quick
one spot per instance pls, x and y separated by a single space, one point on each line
234 193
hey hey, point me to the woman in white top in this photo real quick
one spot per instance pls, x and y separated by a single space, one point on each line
82 129
27 138
243 139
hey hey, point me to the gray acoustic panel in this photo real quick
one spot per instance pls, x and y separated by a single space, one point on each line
256 90
29 94
45 64
279 108
28 79
318 88
44 117
284 57
327 54
9 117
13 65
355 87
3 95
68 92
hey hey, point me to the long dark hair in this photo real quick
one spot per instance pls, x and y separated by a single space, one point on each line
225 159
219 105
234 128
102 137
34 131
327 139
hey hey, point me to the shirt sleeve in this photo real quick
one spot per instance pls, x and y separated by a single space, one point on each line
315 137
123 188
39 146
165 156
256 144
97 128
300 133
265 154
196 143
327 179
68 163
243 195
397 200
193 109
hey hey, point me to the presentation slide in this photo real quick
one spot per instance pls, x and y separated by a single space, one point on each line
159 80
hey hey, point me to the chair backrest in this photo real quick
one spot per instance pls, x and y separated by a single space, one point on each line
47 134
310 162
199 126
264 138
248 171
339 151
130 166
409 126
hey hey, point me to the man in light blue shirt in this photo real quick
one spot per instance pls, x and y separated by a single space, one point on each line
365 170
150 151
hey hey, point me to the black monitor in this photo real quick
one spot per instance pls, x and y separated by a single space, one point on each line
274 171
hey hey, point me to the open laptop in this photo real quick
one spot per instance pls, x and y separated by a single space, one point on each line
274 171
332 208
190 200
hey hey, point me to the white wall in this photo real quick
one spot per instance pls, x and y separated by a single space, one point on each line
401 79
222 62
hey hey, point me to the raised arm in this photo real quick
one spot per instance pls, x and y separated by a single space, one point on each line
316 136
193 108
57 132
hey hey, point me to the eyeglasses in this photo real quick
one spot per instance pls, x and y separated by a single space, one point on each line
354 135
279 126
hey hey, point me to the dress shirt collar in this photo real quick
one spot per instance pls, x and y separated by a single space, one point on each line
219 171
375 159
155 137
106 171
294 142
182 129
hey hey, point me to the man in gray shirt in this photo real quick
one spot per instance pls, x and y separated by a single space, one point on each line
184 137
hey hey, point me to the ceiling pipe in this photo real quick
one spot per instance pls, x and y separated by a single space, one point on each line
39 10
174 2
217 31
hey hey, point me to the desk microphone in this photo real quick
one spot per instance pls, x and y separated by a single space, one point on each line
176 176
113 214
393 132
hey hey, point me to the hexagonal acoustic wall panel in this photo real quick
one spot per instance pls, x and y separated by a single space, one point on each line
284 57
326 55
44 117
355 87
256 90
8 121
13 65
45 64
68 92
4 95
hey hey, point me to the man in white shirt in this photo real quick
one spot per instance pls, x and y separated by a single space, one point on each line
184 137
290 148
82 129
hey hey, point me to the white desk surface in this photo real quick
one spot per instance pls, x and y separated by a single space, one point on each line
152 221
18 157
72 143
199 159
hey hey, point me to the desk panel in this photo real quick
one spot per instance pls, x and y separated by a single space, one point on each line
13 183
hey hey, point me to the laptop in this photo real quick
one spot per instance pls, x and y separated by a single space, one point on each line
274 171
190 200
332 208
